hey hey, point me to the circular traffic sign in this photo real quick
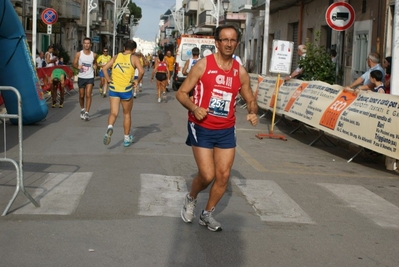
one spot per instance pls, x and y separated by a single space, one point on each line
49 16
340 16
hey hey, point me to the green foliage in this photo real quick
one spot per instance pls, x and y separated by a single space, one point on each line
135 11
317 64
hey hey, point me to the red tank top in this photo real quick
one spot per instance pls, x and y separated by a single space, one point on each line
162 67
217 91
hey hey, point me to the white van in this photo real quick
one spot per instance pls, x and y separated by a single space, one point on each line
185 43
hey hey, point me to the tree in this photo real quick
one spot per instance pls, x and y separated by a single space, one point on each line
317 64
135 11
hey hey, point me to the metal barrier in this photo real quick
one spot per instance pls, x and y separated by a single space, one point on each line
18 166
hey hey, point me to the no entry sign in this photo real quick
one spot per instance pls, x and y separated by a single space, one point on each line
49 16
340 16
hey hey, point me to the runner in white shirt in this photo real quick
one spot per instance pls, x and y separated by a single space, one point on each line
85 62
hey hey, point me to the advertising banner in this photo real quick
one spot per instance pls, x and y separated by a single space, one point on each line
368 119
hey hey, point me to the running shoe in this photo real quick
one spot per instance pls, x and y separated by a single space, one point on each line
107 136
134 95
210 222
140 87
104 95
82 114
61 106
101 90
54 105
159 100
86 116
187 212
164 96
127 142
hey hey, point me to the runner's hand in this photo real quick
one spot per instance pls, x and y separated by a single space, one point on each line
253 119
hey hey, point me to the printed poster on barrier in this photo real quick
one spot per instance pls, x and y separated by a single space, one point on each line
281 59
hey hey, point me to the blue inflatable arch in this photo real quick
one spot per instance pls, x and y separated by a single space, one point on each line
17 69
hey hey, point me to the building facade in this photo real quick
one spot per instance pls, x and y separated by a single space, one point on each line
107 20
299 21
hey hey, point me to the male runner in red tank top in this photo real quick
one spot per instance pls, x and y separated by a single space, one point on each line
217 79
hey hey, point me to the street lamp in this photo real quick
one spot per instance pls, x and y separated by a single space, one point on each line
90 7
225 4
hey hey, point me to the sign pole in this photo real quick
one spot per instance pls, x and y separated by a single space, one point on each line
281 61
34 29
271 132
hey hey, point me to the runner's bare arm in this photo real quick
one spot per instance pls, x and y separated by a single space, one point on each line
248 96
76 61
106 67
185 68
189 83
138 66
94 63
155 70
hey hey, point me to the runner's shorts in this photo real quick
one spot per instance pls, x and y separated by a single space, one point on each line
101 74
206 138
82 82
122 95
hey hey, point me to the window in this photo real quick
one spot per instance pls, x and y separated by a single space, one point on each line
360 52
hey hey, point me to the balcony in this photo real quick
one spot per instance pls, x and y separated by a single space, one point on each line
190 6
206 20
274 4
106 27
69 10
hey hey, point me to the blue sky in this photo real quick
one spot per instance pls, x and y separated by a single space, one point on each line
151 11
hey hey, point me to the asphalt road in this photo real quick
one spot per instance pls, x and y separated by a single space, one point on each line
287 204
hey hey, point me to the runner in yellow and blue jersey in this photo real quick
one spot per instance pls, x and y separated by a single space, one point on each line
121 89
101 61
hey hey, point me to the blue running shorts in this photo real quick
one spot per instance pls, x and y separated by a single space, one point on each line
206 138
122 95
101 74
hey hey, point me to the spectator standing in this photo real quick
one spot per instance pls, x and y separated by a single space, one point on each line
333 54
297 73
85 62
39 60
376 77
387 66
211 121
363 82
49 57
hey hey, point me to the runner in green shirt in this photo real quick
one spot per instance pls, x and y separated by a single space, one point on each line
57 81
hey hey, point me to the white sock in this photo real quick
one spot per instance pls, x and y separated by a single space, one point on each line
110 126
126 137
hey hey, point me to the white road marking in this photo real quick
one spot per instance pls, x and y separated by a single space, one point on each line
270 201
161 195
59 194
382 212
